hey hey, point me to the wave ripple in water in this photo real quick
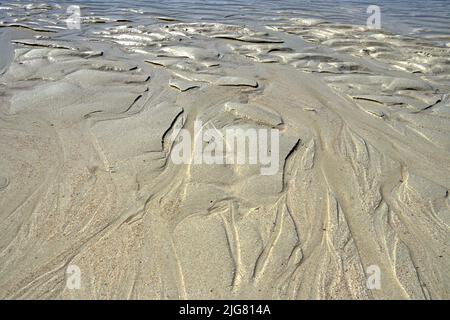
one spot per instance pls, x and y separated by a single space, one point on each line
420 18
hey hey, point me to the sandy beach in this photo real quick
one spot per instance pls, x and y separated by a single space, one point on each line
356 206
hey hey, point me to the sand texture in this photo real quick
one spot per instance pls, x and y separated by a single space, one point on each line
86 178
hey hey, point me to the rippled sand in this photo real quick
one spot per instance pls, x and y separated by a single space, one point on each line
86 177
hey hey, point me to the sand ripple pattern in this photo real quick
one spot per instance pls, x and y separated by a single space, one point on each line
86 177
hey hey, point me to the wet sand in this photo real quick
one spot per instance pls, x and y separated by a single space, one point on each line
86 177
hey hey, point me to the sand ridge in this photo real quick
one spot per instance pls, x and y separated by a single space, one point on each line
86 177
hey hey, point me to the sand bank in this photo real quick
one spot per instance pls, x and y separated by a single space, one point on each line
86 179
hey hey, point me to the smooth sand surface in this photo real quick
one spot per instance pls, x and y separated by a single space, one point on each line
86 177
